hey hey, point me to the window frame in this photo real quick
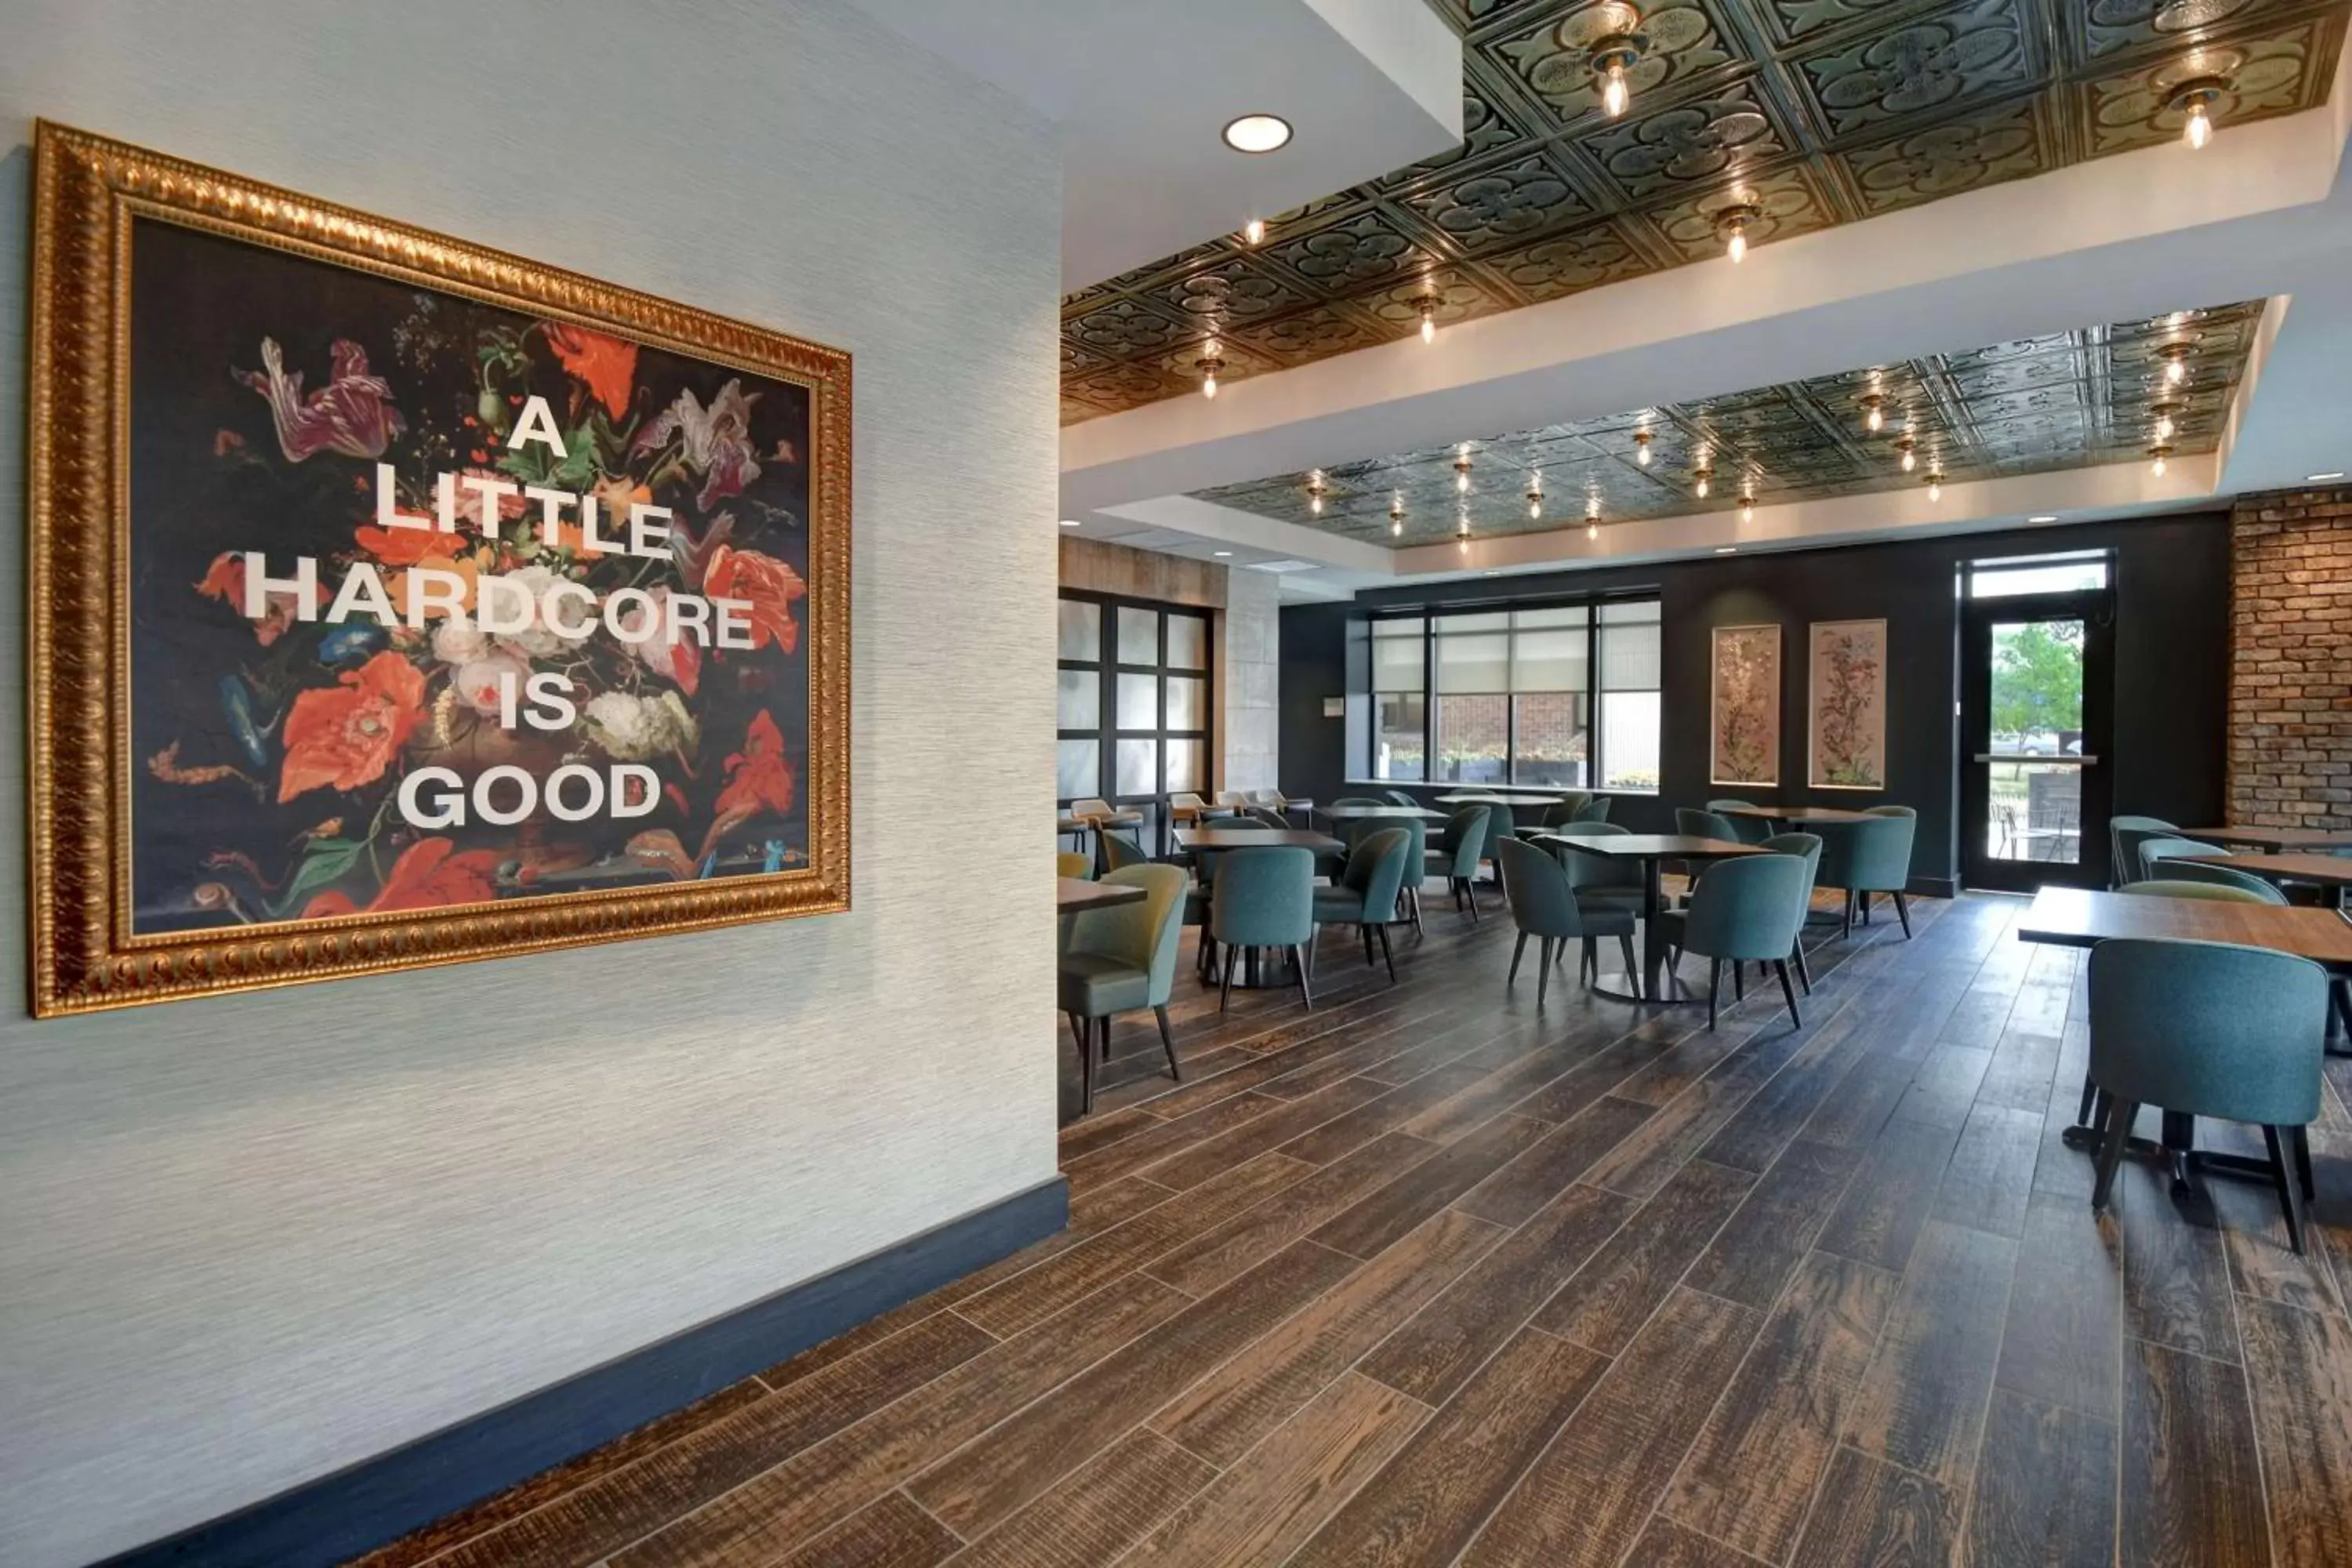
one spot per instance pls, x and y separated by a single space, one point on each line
1108 732
1431 617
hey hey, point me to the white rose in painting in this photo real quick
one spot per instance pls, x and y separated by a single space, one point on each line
479 682
628 728
458 640
536 640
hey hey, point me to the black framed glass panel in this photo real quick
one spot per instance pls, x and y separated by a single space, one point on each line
1134 701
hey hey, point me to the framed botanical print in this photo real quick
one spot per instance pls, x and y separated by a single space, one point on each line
1848 703
1745 705
395 601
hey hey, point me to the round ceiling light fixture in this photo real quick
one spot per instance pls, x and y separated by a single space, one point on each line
1731 226
2194 99
1613 57
1257 133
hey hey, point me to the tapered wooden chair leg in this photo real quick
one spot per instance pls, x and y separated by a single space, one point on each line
1739 986
1225 991
2303 1162
1714 984
1518 951
2121 1114
2289 1191
1305 994
2090 1094
1543 972
1168 1042
1903 914
1845 921
1632 965
1387 956
1087 1071
1781 967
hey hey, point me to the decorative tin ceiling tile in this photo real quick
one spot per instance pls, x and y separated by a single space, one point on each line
1357 252
1788 202
2068 400
1793 21
1459 297
1500 205
1552 267
1553 58
1123 387
1183 365
2266 77
1125 329
2115 27
1945 160
1311 334
1696 141
1489 125
1921 65
1236 290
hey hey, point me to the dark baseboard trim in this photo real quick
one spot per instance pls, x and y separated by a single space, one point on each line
1933 887
357 1510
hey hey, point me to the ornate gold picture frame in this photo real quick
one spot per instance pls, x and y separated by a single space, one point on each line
395 600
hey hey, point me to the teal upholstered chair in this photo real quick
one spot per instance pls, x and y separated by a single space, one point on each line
1400 797
1545 907
1748 908
1911 812
1361 800
2166 887
1695 824
1416 866
2125 835
1745 830
1805 847
1595 810
1457 853
1265 899
1122 851
2224 876
1601 883
1561 813
1501 823
1865 858
2209 1029
2157 848
1368 890
1121 959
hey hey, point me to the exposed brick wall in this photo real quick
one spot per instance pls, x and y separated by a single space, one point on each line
2291 664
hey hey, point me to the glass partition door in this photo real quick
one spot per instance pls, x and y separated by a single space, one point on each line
1134 706
2035 781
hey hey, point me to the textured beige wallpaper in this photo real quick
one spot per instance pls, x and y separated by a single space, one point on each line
247 1242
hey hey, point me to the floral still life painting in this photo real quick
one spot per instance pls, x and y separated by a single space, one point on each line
1849 705
1747 706
437 599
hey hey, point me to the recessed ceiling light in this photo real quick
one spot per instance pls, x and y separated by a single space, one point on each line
1257 133
2322 478
1069 523
2043 516
1221 552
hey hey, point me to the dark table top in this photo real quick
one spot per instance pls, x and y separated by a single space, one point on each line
1655 847
1077 894
2328 871
1253 838
1381 813
1798 813
2275 838
2078 917
1499 797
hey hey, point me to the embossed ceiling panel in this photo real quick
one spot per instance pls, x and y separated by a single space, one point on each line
2065 401
1817 112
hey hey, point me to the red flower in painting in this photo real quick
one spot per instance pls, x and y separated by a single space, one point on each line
758 776
346 735
766 583
605 365
405 546
427 876
352 414
225 580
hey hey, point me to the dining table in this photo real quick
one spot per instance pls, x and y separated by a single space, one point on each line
1214 839
1381 813
2086 916
2276 840
1650 850
1499 797
1795 817
1075 895
2333 872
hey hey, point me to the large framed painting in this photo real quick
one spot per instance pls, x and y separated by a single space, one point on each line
1746 706
396 601
1849 705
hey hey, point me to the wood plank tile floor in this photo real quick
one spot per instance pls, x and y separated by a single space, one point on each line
1430 1276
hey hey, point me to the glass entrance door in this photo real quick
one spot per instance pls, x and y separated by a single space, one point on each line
2034 782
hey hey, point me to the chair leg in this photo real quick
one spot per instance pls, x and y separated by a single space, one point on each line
1168 1041
1543 972
1714 982
1903 914
1632 965
1797 957
1789 991
1588 961
2121 1114
1305 994
1866 906
1518 951
2290 1193
1225 991
1470 891
2090 1094
1366 932
1106 1038
2303 1162
1413 896
1845 921
1387 956
1739 986
1087 1071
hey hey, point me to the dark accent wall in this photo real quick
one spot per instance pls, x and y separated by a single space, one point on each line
2172 653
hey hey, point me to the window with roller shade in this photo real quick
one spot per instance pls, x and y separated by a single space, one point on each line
1511 697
